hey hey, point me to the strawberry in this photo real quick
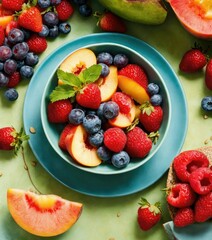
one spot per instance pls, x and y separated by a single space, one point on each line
123 101
201 180
181 195
203 208
2 35
58 111
109 22
193 61
64 10
187 162
148 215
135 72
89 96
30 18
5 12
13 5
37 44
115 139
11 139
208 75
151 117
14 79
184 217
138 144
63 135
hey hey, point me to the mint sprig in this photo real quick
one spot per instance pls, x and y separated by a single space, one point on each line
73 84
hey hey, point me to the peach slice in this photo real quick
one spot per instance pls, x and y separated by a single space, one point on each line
5 16
109 84
133 89
78 61
42 215
79 148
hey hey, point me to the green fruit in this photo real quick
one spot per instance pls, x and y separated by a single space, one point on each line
151 12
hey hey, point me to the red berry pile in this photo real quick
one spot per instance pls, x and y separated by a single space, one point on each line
191 195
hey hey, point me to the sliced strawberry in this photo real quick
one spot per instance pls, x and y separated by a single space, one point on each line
63 135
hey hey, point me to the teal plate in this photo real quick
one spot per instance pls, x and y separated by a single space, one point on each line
94 184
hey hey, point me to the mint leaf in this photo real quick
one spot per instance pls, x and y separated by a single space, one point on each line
92 73
68 78
61 92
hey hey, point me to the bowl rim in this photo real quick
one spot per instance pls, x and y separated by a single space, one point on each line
94 170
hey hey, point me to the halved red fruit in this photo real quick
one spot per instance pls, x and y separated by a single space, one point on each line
195 16
42 215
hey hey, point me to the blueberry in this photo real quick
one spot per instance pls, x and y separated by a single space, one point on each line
153 88
120 60
105 57
20 64
1 66
31 59
92 123
10 66
104 154
44 32
26 71
50 19
20 50
15 36
44 3
76 116
156 99
120 160
80 2
206 103
3 80
55 2
5 53
110 110
53 32
27 33
105 70
64 27
11 94
85 10
96 139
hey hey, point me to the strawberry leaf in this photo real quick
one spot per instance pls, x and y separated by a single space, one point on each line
68 78
61 92
92 73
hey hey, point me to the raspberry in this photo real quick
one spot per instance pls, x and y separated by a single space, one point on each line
187 162
37 44
201 180
181 195
184 217
14 80
123 101
64 10
203 208
115 139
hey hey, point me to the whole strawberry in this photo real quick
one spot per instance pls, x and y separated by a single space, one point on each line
148 215
30 18
138 144
58 111
151 117
136 73
10 139
208 75
193 61
89 96
203 208
64 10
13 5
181 195
37 44
109 22
184 217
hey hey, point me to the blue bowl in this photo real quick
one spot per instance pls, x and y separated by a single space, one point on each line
52 131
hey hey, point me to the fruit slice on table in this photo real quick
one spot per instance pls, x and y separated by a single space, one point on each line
133 89
195 16
5 16
78 61
42 215
108 85
79 149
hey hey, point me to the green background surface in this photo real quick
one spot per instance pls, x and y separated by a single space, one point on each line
105 218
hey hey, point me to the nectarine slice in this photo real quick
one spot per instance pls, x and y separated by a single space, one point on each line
133 89
78 61
79 148
42 215
109 84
